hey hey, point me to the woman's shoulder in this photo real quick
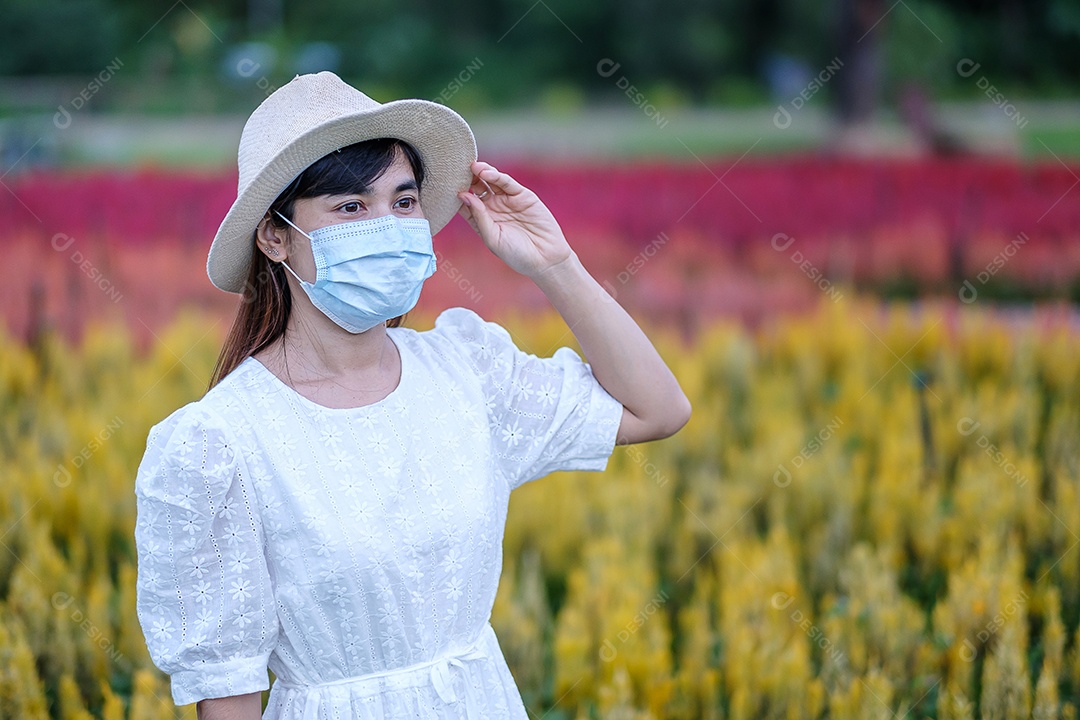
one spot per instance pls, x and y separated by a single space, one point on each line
465 330
184 425
193 455
212 408
207 425
463 342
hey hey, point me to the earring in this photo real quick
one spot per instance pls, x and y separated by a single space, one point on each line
273 251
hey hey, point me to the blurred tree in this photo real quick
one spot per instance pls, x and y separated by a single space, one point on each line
51 37
704 51
265 16
861 24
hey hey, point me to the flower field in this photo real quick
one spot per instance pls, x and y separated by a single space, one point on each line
873 513
674 242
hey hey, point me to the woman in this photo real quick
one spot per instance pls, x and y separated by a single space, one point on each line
333 507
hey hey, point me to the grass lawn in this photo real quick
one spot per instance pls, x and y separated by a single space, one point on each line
612 133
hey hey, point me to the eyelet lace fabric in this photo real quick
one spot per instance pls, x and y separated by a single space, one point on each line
355 552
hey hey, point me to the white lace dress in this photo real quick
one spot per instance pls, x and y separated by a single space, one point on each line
355 552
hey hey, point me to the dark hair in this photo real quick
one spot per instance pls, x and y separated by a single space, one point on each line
266 301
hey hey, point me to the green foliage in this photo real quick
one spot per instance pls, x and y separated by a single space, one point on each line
706 51
58 36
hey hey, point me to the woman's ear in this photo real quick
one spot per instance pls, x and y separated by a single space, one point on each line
272 240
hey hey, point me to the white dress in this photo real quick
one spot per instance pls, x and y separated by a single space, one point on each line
355 552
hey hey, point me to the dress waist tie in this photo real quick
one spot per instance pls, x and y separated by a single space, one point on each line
438 673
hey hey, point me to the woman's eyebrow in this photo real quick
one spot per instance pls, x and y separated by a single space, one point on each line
366 190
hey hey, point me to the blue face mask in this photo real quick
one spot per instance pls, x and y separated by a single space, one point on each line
368 271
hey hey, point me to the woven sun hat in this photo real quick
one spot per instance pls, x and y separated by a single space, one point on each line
312 116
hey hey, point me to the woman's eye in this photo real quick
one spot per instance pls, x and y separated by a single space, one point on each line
351 207
410 203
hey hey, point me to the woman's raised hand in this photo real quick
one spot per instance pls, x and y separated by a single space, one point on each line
513 222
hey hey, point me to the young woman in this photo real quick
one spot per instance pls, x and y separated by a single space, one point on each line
333 507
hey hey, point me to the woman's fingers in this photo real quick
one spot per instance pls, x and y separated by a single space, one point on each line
499 180
480 188
476 213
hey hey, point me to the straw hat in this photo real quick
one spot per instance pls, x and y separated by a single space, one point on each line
314 115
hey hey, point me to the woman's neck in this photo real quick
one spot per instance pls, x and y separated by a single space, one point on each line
313 348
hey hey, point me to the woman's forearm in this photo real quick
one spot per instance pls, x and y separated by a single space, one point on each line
237 707
622 357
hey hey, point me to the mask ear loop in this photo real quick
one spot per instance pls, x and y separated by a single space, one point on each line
293 224
283 262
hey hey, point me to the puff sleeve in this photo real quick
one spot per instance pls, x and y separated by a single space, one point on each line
545 414
204 597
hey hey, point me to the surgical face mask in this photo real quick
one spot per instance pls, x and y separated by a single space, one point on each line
368 271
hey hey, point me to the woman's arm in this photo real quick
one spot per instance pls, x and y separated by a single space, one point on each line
237 707
522 232
622 358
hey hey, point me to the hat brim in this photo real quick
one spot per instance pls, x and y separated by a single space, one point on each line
442 138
